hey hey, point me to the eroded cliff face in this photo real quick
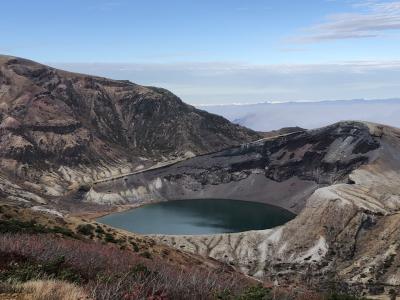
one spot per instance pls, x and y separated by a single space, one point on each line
282 171
347 231
59 130
342 180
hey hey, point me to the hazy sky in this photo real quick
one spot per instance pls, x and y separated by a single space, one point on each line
218 51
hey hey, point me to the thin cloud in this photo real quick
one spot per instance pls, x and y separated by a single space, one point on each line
375 19
220 82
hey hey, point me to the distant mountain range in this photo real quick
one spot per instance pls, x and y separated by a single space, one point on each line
270 116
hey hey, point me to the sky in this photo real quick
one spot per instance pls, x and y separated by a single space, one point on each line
218 51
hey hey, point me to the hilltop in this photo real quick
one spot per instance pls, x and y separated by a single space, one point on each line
61 130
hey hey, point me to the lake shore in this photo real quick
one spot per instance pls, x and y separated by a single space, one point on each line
93 215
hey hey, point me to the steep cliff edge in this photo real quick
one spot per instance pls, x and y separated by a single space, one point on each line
59 130
283 170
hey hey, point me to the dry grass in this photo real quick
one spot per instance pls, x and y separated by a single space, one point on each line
51 290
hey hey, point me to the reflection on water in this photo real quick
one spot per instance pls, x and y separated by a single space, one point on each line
203 216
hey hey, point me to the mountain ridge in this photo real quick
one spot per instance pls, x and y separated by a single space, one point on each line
62 133
59 129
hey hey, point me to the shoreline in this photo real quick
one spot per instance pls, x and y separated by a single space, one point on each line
93 215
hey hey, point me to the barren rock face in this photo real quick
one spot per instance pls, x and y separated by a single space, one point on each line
90 127
282 171
342 180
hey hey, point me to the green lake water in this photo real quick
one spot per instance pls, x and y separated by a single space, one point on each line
203 216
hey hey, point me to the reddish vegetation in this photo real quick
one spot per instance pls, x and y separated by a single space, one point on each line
110 273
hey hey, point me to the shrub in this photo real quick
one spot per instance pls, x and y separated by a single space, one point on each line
58 269
146 254
30 270
63 231
257 292
109 238
135 247
85 229
99 230
16 226
21 273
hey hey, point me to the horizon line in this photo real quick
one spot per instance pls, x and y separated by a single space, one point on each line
294 101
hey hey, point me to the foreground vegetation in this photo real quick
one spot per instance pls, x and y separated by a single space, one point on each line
51 259
105 271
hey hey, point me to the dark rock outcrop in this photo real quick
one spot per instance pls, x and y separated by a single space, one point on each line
283 170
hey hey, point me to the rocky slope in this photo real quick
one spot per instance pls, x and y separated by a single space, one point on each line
342 180
282 171
59 130
62 134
